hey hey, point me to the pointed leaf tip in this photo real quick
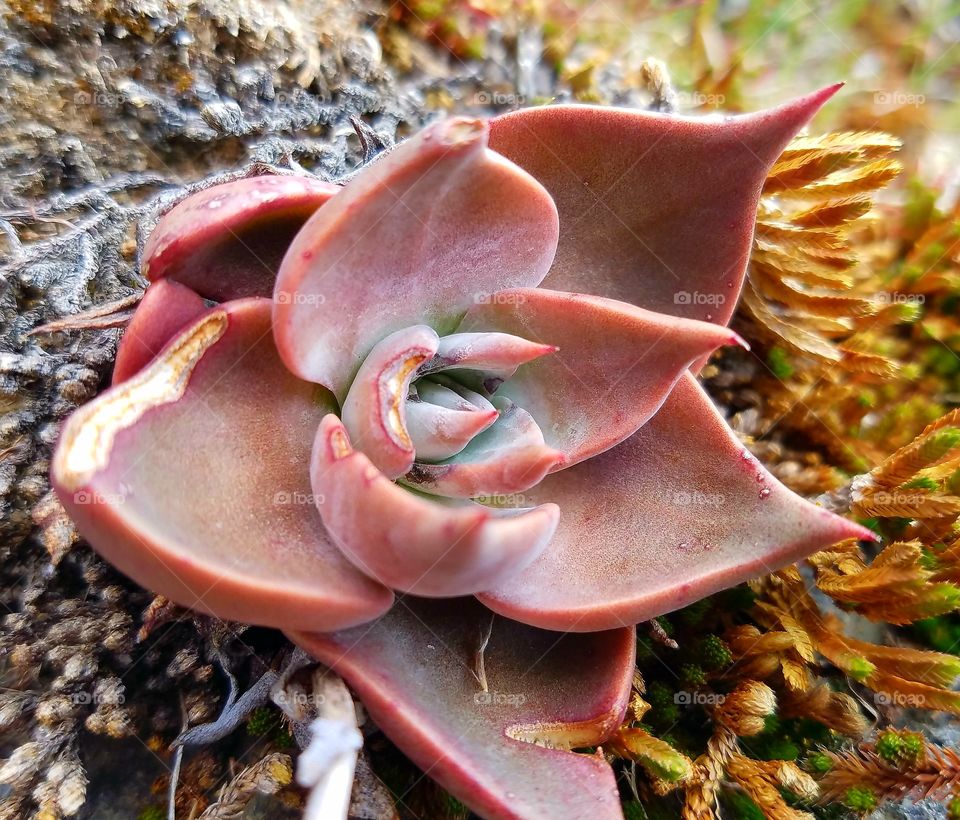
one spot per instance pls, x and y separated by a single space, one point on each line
656 210
614 365
655 524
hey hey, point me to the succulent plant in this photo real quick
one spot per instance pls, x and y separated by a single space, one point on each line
467 374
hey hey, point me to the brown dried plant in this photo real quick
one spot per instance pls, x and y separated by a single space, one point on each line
805 291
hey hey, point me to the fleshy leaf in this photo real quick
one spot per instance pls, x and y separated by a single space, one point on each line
674 513
374 411
192 478
439 432
227 241
498 355
417 237
166 309
504 459
655 209
416 672
431 547
615 365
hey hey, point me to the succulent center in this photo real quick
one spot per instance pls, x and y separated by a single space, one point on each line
424 409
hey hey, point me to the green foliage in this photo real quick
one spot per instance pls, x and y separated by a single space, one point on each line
860 669
860 798
779 363
920 483
692 675
818 763
262 721
939 444
694 614
634 811
736 599
741 807
715 653
664 709
890 746
941 633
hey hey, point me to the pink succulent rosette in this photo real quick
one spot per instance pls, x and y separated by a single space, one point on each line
466 372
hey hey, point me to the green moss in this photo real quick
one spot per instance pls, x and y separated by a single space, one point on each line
939 444
262 721
929 560
913 747
633 811
952 483
818 763
860 798
153 813
664 709
953 808
889 746
920 483
644 650
692 675
740 807
453 807
737 598
860 669
694 614
776 741
941 633
779 363
652 808
714 653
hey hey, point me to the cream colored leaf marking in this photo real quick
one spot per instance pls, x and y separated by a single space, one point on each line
564 735
88 437
393 394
